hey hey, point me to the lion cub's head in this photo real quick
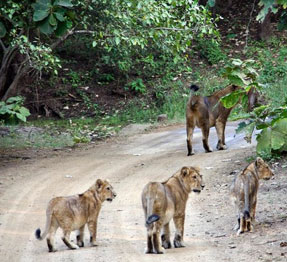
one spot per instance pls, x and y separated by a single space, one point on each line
192 179
263 170
105 190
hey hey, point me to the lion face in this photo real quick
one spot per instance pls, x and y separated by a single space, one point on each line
263 170
105 190
192 179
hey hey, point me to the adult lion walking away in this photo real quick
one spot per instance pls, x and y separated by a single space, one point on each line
165 201
74 212
206 112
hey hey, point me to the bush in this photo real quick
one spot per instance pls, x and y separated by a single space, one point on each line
211 51
12 111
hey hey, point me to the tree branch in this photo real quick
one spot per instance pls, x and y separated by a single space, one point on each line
62 38
247 29
69 33
168 28
3 46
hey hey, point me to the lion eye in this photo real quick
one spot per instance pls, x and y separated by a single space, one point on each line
194 177
108 188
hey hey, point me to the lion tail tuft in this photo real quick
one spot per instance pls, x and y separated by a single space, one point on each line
246 214
38 234
151 219
194 88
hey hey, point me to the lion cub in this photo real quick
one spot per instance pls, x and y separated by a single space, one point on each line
244 193
74 212
162 202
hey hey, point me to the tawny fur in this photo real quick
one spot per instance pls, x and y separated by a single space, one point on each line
164 201
74 212
206 112
244 193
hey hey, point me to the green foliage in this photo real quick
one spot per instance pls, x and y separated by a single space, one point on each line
52 16
273 125
12 111
271 121
267 5
211 50
137 85
243 74
274 67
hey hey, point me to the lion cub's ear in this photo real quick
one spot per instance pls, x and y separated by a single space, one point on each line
184 171
259 161
197 169
99 183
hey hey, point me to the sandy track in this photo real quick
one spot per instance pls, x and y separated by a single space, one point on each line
129 163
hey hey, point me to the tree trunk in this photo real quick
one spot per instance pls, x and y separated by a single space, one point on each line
13 88
8 56
264 29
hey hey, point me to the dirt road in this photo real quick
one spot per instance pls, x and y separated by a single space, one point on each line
129 163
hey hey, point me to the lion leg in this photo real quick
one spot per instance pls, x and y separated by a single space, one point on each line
253 209
205 135
80 236
66 240
149 249
179 225
220 130
237 225
165 237
189 135
92 226
242 226
51 236
158 249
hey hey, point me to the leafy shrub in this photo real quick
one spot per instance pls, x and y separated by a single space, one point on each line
137 85
12 111
211 51
272 122
269 120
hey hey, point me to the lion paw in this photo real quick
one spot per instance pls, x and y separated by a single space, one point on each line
160 251
80 243
209 150
148 251
166 244
239 232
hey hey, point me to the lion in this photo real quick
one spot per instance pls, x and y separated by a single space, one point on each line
162 202
206 112
244 193
74 212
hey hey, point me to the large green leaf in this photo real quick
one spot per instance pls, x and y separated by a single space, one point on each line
2 30
52 20
231 99
264 142
45 27
280 126
65 3
267 5
277 140
24 111
235 80
21 117
41 10
61 28
59 16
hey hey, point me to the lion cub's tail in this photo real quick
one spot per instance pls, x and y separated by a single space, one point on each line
48 225
194 88
246 201
151 219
